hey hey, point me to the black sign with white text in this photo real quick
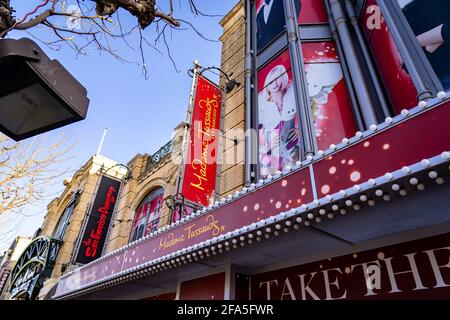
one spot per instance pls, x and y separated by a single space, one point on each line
99 219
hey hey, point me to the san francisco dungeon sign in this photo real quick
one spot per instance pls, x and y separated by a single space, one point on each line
98 221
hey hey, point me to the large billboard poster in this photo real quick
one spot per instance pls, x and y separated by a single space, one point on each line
330 102
279 132
98 221
270 19
200 167
393 71
278 127
430 22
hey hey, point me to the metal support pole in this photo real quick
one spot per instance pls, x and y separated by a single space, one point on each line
361 89
249 139
347 77
298 73
254 106
366 54
186 130
415 60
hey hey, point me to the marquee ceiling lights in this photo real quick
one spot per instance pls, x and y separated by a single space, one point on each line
403 180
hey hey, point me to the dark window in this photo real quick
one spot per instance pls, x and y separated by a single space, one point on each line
148 214
430 22
64 220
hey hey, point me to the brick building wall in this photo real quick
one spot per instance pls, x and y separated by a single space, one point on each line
232 169
84 180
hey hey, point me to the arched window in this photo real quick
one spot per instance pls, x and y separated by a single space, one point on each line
63 222
148 214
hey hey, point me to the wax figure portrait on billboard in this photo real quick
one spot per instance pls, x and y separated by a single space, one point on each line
270 20
330 102
278 121
430 22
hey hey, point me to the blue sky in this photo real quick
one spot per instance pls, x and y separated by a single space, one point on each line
141 114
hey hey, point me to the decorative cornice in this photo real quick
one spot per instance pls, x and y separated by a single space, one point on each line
232 13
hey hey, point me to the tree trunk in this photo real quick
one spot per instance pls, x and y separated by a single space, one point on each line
143 10
6 19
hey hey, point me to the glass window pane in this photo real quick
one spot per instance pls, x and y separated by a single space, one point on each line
148 214
63 222
430 22
270 18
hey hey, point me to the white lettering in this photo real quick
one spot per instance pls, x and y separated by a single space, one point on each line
365 267
335 283
268 284
440 283
287 284
374 279
305 288
414 271
374 21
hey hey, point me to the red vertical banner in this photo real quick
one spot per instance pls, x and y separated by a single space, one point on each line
200 167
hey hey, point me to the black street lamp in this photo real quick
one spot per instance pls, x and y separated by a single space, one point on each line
36 94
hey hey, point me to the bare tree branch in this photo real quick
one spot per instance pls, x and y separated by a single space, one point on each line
95 25
28 169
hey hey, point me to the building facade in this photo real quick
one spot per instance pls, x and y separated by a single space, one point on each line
333 167
8 261
94 215
52 251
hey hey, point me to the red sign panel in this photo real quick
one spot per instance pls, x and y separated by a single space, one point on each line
206 288
201 163
396 78
405 144
278 121
413 270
